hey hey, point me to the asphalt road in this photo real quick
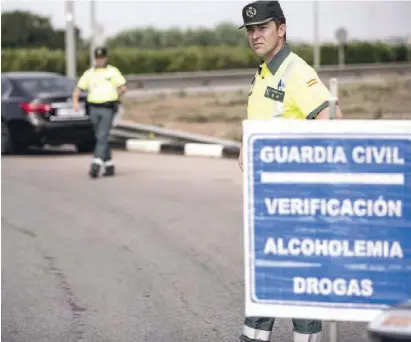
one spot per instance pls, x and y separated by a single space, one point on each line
154 254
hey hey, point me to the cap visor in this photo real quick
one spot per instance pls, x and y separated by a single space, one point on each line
259 22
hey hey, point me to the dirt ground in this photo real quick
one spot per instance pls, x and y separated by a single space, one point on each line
220 114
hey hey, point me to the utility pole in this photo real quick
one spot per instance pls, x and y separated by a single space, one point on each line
316 45
342 35
93 30
70 40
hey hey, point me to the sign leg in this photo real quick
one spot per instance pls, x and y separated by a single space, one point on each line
333 331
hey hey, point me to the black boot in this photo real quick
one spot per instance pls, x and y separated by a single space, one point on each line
94 170
109 171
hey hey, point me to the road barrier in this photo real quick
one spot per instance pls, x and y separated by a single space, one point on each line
244 76
123 130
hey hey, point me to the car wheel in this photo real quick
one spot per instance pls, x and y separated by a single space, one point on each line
86 147
6 144
9 145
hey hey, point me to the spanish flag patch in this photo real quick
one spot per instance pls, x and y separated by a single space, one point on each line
312 82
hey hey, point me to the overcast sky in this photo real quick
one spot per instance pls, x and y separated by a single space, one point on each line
366 20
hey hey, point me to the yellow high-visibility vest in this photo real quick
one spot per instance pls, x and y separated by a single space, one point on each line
286 88
101 84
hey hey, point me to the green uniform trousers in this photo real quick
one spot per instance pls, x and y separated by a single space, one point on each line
258 329
102 119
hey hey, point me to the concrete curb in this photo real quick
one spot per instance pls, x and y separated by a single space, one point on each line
187 149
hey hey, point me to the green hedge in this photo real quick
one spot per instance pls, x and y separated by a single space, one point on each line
135 61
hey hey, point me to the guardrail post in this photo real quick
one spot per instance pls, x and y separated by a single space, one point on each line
334 97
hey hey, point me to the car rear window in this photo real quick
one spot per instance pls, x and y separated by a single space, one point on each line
51 85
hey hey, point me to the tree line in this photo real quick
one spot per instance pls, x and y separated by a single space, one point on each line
224 34
23 29
29 42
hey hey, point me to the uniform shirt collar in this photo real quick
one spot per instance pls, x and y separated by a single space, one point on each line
97 67
278 59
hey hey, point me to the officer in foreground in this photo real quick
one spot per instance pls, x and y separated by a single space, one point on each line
105 84
284 87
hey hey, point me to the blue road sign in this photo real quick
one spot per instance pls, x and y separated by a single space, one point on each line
327 218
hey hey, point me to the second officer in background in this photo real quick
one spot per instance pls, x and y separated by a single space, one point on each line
104 84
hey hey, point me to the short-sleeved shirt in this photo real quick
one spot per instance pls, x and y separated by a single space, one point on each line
286 88
101 84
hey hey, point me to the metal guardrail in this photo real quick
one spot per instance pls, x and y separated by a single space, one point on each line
124 130
244 76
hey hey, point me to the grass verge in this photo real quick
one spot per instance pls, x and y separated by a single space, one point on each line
220 114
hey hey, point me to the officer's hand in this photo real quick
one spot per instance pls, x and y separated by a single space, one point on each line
240 158
75 106
121 91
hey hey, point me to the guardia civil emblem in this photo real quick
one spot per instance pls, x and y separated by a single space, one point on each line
251 12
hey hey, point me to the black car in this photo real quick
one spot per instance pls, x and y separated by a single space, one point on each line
36 109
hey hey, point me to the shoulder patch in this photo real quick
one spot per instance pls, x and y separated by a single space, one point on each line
311 82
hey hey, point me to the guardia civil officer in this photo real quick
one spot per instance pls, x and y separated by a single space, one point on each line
284 87
105 84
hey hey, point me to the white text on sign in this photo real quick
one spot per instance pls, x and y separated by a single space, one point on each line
333 248
334 207
339 286
330 154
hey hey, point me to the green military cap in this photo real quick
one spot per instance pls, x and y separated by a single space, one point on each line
260 12
100 52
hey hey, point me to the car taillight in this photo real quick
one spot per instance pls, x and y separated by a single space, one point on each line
35 107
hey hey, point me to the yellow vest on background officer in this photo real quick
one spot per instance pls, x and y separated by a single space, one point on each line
104 84
284 87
